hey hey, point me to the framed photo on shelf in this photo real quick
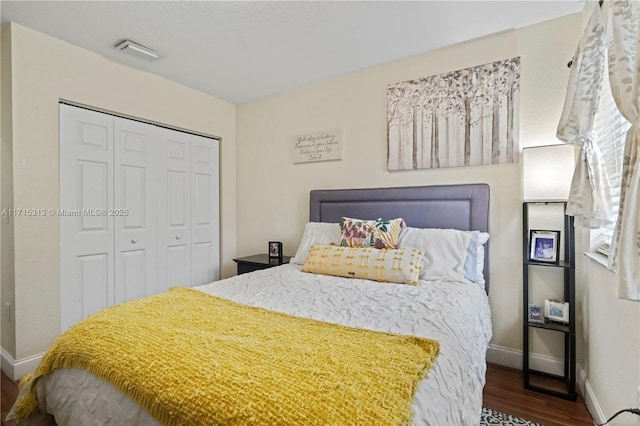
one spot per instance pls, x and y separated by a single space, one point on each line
543 246
535 314
275 250
556 311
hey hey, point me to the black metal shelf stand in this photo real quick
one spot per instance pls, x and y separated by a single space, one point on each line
569 329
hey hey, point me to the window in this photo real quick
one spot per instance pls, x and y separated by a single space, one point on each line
611 128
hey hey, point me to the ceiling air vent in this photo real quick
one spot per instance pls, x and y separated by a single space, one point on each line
139 51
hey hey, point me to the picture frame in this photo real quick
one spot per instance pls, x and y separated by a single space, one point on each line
535 314
275 250
556 311
543 246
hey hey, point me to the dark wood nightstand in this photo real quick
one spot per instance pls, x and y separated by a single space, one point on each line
258 261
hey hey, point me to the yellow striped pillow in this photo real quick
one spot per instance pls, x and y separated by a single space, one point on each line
401 265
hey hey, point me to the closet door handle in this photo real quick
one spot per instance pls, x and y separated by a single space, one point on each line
133 240
177 237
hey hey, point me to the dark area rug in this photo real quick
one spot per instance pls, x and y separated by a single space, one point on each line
491 417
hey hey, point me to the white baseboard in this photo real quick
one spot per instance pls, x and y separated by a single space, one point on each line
504 356
590 398
15 370
513 358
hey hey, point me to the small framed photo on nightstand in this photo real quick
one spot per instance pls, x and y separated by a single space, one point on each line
275 250
535 314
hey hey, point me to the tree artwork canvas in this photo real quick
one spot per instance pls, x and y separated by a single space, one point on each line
467 117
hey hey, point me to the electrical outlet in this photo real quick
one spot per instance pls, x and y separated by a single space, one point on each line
7 311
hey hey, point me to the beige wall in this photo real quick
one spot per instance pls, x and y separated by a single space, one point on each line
7 294
612 356
44 71
273 193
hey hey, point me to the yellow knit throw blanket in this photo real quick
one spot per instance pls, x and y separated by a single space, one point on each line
190 358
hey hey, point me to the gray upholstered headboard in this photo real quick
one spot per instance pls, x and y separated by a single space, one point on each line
464 207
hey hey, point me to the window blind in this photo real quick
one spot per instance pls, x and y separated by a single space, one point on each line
611 129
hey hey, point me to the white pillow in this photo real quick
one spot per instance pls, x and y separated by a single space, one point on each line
474 263
473 268
445 250
316 233
483 237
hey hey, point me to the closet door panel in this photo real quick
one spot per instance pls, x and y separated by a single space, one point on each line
86 235
178 200
178 266
95 273
174 210
134 271
134 210
205 264
93 194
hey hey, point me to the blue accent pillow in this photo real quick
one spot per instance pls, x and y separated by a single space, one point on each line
470 263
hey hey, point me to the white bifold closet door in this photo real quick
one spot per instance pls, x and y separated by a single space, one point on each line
188 208
86 240
134 210
139 211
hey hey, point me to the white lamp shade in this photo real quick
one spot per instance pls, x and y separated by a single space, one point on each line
548 171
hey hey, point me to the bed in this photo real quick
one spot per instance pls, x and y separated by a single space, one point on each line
451 309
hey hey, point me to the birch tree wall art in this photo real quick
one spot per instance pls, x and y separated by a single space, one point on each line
467 117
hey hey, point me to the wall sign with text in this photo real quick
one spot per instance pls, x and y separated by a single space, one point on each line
319 146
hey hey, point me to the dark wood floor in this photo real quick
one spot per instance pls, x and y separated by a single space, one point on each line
8 394
503 392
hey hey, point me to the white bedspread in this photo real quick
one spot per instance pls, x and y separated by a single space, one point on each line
455 312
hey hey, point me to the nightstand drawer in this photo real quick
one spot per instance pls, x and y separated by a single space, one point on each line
244 267
257 262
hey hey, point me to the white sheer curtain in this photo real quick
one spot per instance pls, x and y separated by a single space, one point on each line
624 77
590 190
613 28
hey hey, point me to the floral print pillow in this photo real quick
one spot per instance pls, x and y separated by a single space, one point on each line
379 233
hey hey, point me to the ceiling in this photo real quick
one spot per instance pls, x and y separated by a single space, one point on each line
240 51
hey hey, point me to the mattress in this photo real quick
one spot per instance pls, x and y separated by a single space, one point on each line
453 311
